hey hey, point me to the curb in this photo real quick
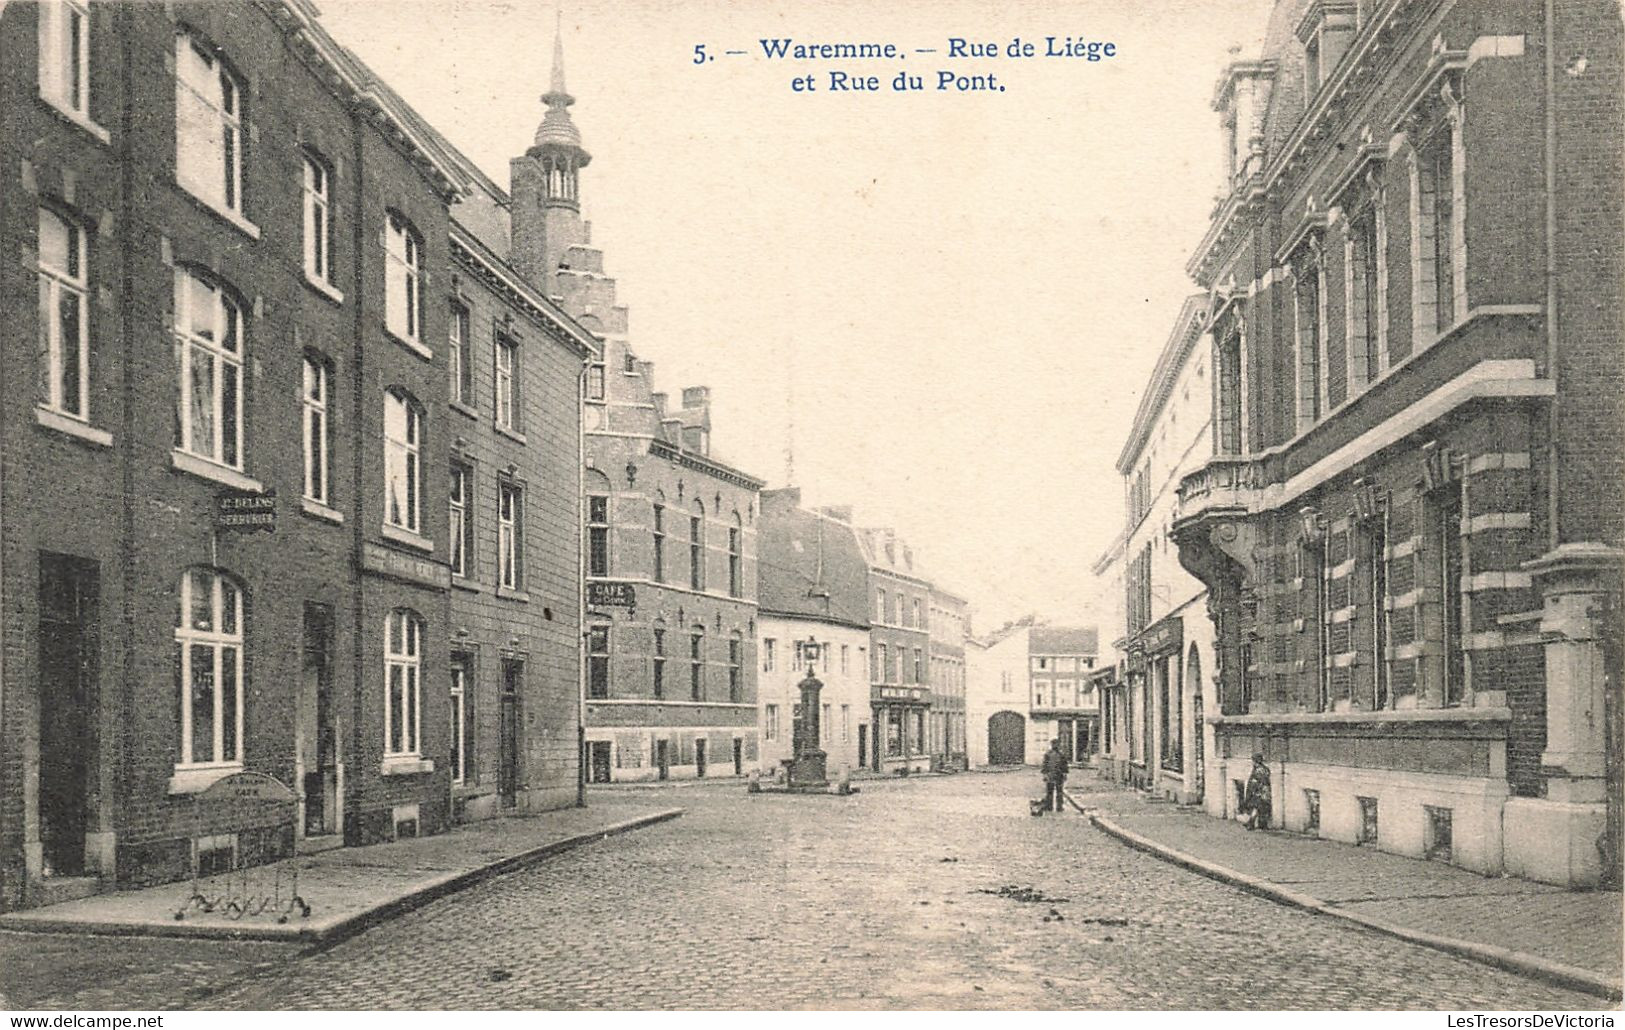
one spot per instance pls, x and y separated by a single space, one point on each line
1520 962
321 938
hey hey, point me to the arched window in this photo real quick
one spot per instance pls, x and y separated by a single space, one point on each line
209 642
64 332
403 680
209 358
403 279
696 547
403 462
736 578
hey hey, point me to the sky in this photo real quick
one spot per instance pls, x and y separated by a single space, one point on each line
945 303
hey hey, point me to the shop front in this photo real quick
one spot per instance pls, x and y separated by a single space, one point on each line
901 716
1156 703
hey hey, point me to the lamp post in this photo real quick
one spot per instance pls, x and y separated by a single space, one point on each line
808 769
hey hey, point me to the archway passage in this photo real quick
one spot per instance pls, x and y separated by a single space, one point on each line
1007 739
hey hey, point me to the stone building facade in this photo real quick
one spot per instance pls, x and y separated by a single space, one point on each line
1155 733
949 622
229 180
1064 705
1409 524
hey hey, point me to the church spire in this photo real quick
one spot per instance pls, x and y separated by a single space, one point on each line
558 132
556 93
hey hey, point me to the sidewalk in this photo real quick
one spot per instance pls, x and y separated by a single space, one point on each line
350 889
1572 938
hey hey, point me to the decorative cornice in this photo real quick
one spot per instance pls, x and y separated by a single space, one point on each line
472 256
1188 327
700 463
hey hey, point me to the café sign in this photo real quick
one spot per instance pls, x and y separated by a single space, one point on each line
611 595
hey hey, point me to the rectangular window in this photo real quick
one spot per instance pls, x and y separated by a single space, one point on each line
209 355
736 684
770 729
209 643
846 656
1433 231
736 585
595 382
403 279
917 624
459 360
1308 316
919 666
511 535
597 535
883 670
403 469
1452 560
462 722
64 330
1377 579
318 189
659 663
208 126
318 387
1363 297
824 727
696 552
769 655
461 530
660 543
696 665
598 662
846 723
64 54
1228 385
1311 804
1317 579
403 657
507 396
1368 821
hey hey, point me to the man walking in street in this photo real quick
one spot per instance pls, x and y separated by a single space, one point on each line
1055 769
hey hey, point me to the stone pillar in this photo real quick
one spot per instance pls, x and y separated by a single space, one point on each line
1562 838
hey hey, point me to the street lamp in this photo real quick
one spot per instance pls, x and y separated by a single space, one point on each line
808 768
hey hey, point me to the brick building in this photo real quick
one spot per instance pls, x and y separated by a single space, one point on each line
899 647
1064 705
1409 523
226 178
670 530
813 587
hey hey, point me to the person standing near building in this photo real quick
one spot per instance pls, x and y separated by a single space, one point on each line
1055 768
1255 803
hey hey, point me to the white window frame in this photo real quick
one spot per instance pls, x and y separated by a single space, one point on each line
403 683
211 167
771 720
403 279
403 463
315 398
319 231
225 599
510 535
457 357
60 286
64 63
769 653
223 347
460 534
506 368
598 529
459 736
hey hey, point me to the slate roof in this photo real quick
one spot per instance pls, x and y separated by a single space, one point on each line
810 566
1075 640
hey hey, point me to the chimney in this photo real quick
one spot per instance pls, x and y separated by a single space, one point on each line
780 501
696 396
659 401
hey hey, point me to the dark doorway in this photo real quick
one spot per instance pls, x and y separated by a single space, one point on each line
1006 739
513 673
663 759
863 745
699 758
739 757
316 737
600 761
67 682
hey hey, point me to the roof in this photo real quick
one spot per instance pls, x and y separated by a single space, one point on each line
810 565
1063 640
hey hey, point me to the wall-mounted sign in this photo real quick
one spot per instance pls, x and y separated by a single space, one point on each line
247 786
386 561
913 695
611 595
246 511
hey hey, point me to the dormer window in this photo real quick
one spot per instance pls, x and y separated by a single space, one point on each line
1326 30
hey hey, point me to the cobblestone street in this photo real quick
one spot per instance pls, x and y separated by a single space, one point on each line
818 902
